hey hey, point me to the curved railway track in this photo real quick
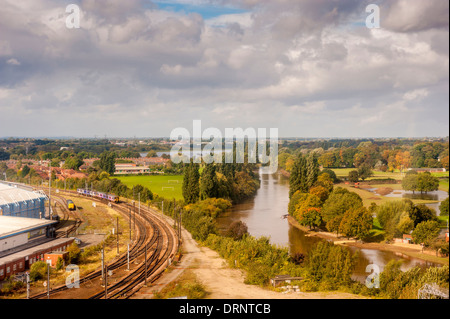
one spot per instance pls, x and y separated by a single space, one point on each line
151 234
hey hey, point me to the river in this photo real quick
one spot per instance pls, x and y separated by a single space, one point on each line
263 216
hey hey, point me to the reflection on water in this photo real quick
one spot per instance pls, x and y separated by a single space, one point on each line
263 216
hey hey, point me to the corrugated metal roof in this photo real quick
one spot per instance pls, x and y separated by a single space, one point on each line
12 195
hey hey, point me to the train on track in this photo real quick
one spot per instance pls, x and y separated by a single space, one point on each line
87 192
71 205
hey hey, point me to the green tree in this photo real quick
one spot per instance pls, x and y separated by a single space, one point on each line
73 162
208 182
356 222
405 224
25 171
410 182
191 184
353 176
364 171
340 201
310 217
330 173
298 181
38 270
312 170
74 253
426 232
329 263
421 213
107 162
427 183
443 207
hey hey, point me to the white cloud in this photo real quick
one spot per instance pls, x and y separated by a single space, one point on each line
13 62
282 63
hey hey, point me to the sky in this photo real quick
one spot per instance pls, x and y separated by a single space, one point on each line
310 68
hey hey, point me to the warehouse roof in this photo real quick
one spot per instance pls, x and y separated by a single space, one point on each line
12 195
15 225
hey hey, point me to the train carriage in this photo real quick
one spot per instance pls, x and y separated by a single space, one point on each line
111 198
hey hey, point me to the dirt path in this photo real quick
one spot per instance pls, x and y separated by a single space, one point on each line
222 282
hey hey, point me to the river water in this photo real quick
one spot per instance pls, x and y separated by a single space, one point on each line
263 216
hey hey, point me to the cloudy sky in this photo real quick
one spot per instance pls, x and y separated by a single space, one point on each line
310 68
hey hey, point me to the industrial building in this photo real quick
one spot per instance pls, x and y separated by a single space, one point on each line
18 231
18 202
22 260
25 234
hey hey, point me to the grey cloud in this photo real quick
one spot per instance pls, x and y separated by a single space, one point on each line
414 15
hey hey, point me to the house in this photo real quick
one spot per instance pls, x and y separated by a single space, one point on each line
407 239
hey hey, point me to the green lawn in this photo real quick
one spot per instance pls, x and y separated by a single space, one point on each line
343 172
163 185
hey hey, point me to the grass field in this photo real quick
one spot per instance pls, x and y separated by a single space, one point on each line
443 181
163 185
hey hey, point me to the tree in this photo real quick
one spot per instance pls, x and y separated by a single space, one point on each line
320 192
312 170
353 176
298 181
426 232
152 153
191 183
421 213
108 162
443 207
38 270
340 201
4 156
364 171
410 182
310 217
405 224
356 222
74 253
73 162
237 230
325 181
331 263
208 182
25 171
427 183
330 173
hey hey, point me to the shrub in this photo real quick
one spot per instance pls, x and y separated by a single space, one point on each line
38 270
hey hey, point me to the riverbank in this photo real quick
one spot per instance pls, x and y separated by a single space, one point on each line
410 250
219 280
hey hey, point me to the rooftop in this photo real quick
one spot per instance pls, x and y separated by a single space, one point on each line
14 225
11 195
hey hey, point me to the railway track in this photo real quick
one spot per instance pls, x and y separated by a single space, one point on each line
159 254
152 235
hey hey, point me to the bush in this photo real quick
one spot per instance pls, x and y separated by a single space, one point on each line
38 271
443 207
237 230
